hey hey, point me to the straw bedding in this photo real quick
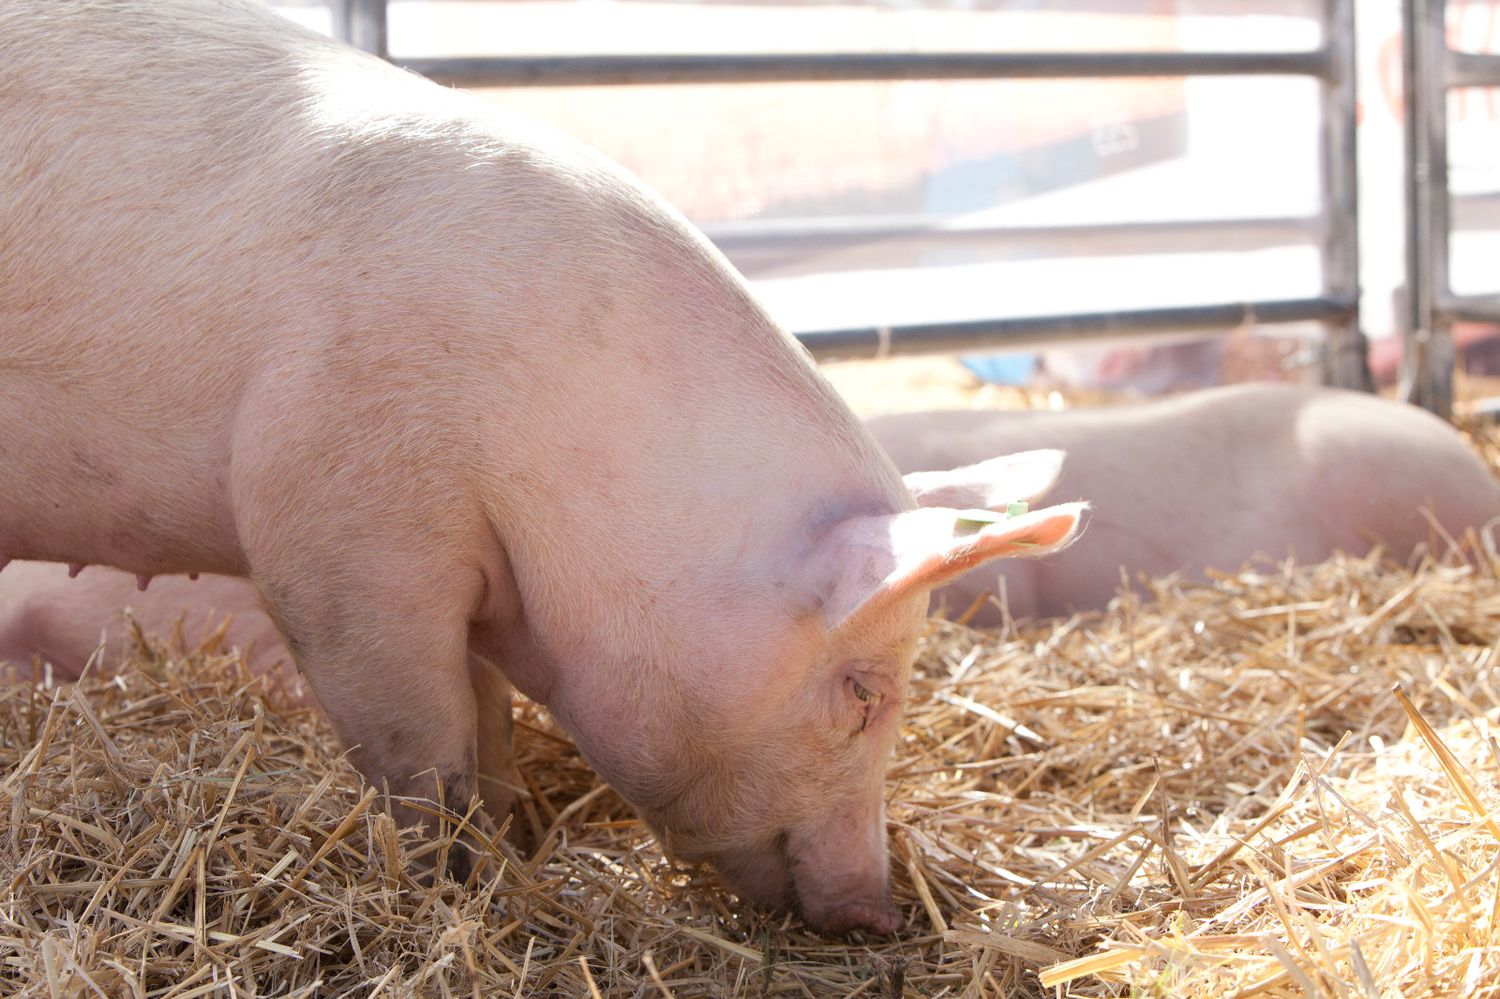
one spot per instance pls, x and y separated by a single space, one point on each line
1211 790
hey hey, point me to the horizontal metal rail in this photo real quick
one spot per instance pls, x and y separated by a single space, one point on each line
609 70
1469 308
1471 69
1032 331
839 233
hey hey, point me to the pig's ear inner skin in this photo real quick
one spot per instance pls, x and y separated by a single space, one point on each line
871 563
990 484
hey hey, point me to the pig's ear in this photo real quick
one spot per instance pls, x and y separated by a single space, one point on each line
990 484
877 561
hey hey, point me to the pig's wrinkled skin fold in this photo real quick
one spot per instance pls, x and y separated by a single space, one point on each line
453 391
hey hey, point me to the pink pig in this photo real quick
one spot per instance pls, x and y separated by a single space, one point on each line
1210 479
471 408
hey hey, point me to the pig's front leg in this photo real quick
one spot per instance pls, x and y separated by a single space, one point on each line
374 603
392 673
370 553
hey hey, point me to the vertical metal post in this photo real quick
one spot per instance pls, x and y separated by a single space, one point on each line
361 23
1346 352
1417 295
1427 356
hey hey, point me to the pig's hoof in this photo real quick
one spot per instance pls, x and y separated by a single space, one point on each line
882 920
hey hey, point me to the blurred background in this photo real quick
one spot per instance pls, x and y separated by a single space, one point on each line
854 204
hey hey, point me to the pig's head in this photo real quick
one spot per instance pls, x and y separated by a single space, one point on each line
768 758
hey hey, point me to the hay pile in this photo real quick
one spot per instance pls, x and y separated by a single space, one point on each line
1209 792
1212 790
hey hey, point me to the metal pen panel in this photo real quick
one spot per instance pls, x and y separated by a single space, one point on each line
363 22
1429 360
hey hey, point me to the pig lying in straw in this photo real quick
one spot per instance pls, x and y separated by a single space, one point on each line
53 621
270 307
1211 479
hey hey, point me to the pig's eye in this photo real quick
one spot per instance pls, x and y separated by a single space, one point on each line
869 701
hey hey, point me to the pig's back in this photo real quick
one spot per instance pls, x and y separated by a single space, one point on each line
209 211
1135 466
166 246
1370 461
194 188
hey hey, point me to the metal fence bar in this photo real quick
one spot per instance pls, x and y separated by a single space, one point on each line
1472 69
1427 352
1031 331
1345 351
1474 212
754 241
362 23
602 70
1470 308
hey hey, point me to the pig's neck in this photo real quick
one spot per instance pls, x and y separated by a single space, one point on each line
662 481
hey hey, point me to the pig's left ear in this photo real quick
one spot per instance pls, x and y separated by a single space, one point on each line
879 560
989 484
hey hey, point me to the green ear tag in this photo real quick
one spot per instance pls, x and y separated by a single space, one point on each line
982 518
979 518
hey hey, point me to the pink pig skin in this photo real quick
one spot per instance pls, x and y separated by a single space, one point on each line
471 408
1211 479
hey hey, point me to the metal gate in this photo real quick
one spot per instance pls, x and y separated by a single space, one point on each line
363 23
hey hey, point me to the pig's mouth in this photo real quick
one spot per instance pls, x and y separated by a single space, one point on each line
762 876
882 919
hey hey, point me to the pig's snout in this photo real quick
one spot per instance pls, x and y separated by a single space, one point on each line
766 878
868 907
841 872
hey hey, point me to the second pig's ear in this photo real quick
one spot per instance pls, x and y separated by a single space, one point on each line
877 561
990 484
